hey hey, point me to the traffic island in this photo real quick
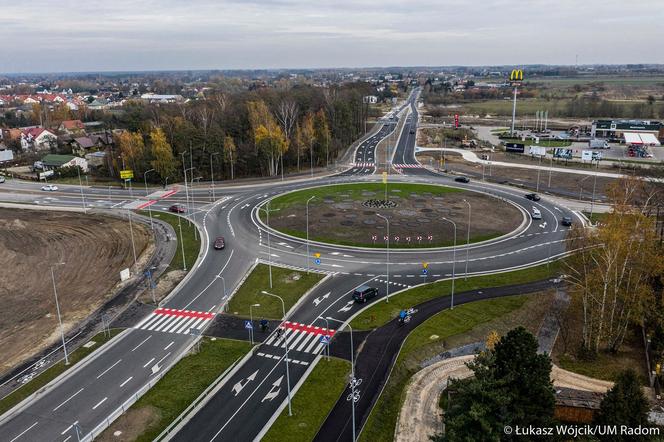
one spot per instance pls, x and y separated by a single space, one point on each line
420 215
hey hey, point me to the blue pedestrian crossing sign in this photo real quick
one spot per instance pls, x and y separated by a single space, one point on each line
317 261
248 324
325 339
425 271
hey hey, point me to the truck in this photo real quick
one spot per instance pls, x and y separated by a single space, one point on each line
597 143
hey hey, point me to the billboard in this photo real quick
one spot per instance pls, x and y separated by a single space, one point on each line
537 150
515 147
591 155
6 155
560 152
126 174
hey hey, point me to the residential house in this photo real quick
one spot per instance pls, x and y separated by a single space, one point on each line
38 138
82 145
96 159
72 127
54 162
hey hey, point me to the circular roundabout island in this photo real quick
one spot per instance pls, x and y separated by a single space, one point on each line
420 215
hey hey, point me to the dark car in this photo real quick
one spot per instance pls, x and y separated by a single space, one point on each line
177 208
566 221
219 243
533 197
462 179
412 131
363 293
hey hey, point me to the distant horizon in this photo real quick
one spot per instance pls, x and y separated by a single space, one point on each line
340 68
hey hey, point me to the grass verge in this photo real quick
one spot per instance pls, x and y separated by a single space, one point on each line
383 418
53 372
287 283
178 388
382 312
323 387
192 241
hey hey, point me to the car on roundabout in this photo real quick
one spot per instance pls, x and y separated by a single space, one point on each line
219 243
533 197
177 208
363 293
462 179
49 188
566 221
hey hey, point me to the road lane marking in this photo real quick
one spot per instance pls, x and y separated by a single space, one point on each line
125 382
69 428
166 348
148 362
142 342
159 361
99 403
24 431
68 399
105 371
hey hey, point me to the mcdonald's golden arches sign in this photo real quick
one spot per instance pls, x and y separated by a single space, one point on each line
516 75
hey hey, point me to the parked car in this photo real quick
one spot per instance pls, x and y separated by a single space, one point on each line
533 197
50 188
462 179
177 208
412 131
363 293
219 243
536 214
2 179
566 221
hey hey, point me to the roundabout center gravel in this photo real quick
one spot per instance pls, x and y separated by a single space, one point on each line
347 214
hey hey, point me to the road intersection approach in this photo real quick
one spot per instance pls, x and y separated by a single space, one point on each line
248 400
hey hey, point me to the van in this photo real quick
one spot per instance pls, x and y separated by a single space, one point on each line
536 214
363 293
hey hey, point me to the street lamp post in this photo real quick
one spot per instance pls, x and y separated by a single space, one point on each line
184 170
131 232
57 308
269 247
453 260
387 283
465 274
251 319
145 179
592 199
327 327
307 205
184 261
580 187
80 186
352 370
283 309
212 173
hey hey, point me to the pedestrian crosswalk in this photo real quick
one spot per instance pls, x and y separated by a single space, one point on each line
398 284
406 166
169 320
300 337
363 164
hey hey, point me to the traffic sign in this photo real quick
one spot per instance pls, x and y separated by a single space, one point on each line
126 174
317 261
425 265
248 325
325 339
316 255
425 271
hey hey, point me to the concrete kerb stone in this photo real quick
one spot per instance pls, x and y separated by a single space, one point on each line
64 376
258 222
284 403
8 205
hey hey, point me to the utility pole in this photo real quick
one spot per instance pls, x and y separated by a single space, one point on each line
57 308
387 283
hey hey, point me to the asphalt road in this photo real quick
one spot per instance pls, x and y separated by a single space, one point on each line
89 394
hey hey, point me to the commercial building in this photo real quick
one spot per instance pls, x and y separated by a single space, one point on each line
615 129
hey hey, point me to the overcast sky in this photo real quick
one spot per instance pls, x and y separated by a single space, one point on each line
94 35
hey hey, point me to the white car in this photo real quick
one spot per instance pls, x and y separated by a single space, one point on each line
2 179
50 188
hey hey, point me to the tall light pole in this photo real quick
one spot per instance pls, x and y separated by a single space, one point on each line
453 260
513 111
283 309
465 274
251 319
352 370
212 173
145 179
131 232
80 186
190 203
387 283
592 199
184 261
308 201
184 170
57 308
269 248
327 327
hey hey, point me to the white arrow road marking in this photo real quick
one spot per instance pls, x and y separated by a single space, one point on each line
555 208
319 300
237 388
273 393
348 306
543 225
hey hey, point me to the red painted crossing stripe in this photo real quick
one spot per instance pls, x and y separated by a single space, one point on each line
309 328
167 194
145 204
183 313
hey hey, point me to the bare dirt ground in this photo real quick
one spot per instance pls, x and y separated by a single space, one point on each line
94 249
416 221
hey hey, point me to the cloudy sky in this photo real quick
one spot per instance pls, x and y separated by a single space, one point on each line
94 35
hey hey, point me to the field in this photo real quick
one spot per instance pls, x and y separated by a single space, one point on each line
344 215
94 249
